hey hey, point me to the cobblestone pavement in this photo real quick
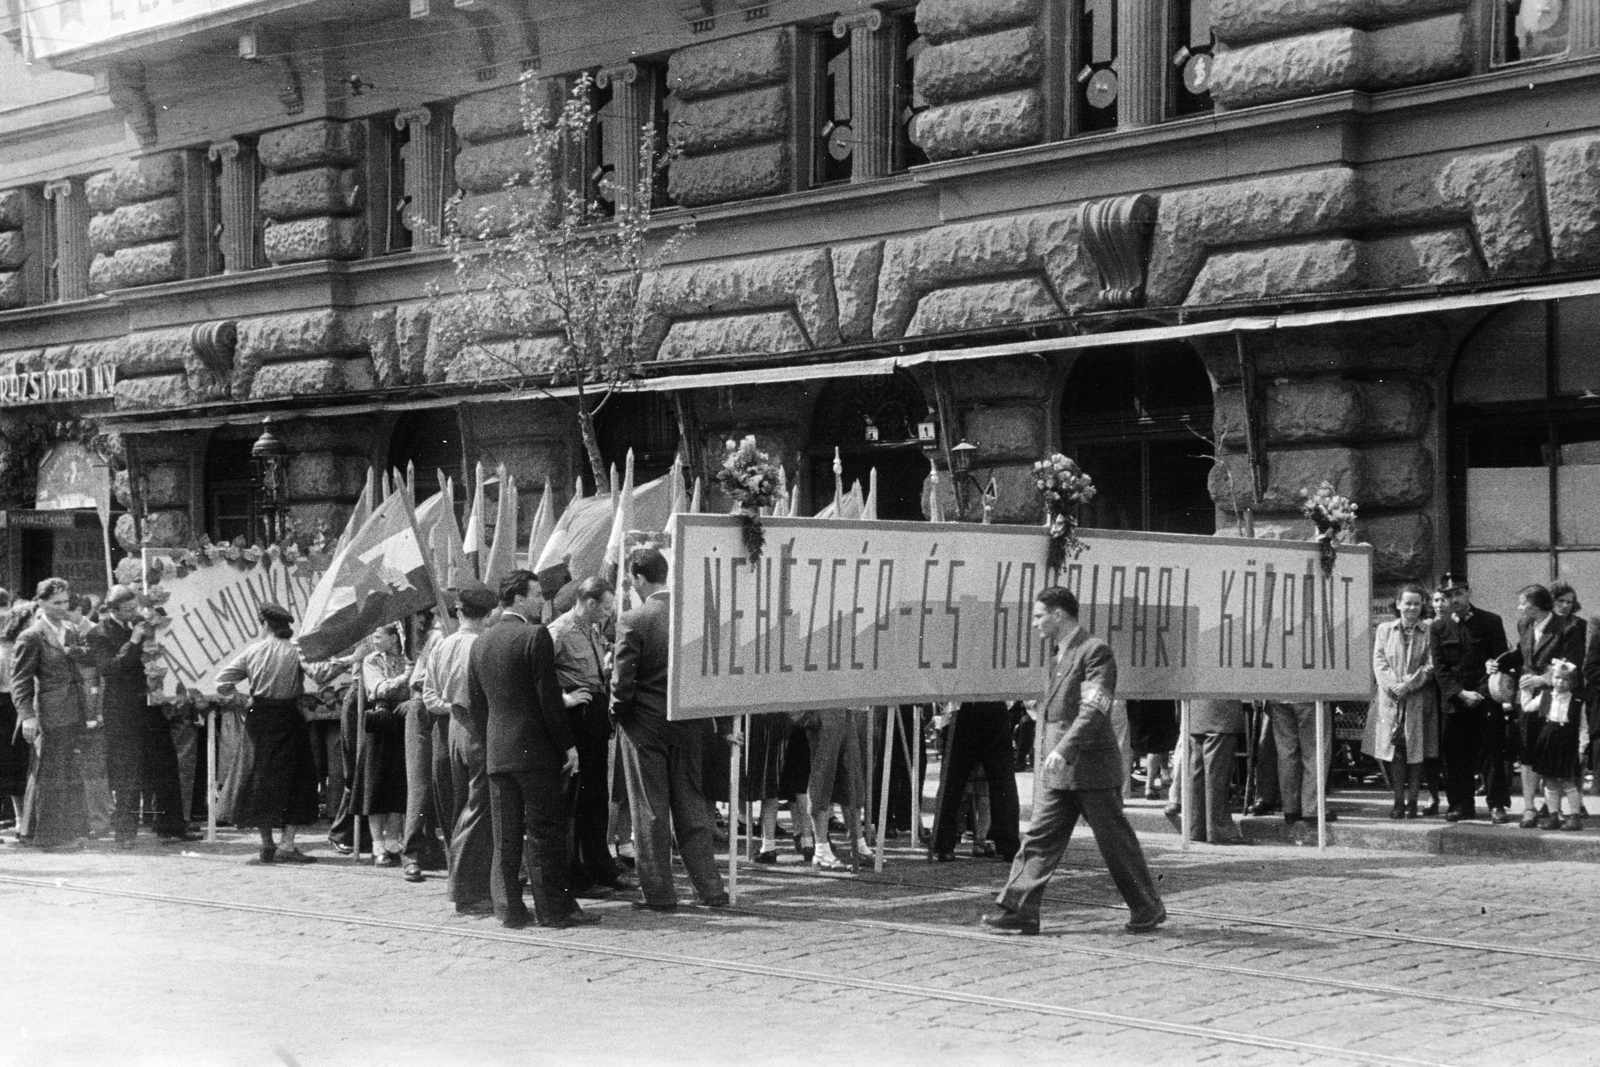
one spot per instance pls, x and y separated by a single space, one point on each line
1273 955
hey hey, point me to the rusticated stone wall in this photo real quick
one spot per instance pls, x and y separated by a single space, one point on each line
730 114
147 214
492 159
1351 405
13 249
1272 50
312 196
981 76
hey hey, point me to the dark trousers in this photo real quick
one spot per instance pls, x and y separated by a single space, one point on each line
1206 786
472 833
142 760
1499 748
531 813
428 786
1043 845
591 811
662 763
980 737
1460 746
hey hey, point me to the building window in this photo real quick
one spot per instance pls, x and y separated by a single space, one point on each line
232 498
1093 55
833 139
1140 424
1529 29
50 241
394 199
908 45
647 424
429 443
608 139
1525 450
1190 49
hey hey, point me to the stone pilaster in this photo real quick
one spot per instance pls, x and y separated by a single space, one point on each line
631 107
426 181
239 200
871 92
1583 27
72 237
1141 68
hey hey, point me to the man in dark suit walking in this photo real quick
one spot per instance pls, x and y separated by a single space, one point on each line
511 681
1079 773
661 759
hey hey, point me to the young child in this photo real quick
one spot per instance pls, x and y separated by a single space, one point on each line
1557 749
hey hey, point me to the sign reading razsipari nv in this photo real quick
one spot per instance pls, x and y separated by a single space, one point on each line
854 614
213 611
53 386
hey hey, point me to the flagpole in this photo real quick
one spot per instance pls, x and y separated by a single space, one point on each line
890 721
426 550
734 749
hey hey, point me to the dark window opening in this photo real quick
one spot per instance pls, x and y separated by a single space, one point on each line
908 45
1095 55
232 498
834 142
1190 51
643 422
1530 29
873 424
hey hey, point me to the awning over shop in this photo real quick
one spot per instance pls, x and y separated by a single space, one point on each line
769 369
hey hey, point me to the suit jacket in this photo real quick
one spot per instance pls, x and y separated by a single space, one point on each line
46 681
639 671
1563 638
1216 717
511 681
1591 663
1081 732
124 687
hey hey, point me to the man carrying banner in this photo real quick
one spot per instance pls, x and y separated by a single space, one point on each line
662 759
511 676
1080 773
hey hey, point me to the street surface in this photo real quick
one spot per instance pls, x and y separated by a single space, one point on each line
1273 955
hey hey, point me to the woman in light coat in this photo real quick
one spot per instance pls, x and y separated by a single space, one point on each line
1406 730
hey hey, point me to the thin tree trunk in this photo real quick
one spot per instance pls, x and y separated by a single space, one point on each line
591 442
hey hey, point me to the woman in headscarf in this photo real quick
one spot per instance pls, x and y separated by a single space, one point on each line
378 790
275 784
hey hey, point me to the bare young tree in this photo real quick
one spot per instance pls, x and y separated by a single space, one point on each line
546 281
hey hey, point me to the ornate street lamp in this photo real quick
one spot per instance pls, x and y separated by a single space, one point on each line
269 459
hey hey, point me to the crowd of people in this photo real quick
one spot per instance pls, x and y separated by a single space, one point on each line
526 743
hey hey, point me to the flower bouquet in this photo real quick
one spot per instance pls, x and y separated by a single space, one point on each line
1334 517
1063 486
751 477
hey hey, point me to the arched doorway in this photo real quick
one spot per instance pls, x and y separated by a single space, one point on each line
873 424
1525 450
1139 421
431 440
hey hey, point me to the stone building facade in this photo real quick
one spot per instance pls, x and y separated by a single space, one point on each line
1221 250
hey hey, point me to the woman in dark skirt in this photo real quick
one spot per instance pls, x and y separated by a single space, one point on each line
1153 731
14 751
378 788
778 768
275 784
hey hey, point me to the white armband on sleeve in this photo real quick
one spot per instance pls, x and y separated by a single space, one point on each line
1095 697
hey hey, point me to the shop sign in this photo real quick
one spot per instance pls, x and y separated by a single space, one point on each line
856 614
54 386
213 608
23 519
55 27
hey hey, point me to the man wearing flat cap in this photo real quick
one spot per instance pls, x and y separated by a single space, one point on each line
1475 734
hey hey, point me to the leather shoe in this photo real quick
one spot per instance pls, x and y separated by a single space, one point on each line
572 918
1009 922
594 892
1144 926
179 838
516 920
293 855
413 873
1261 807
474 907
721 900
1530 820
767 857
645 905
622 883
945 856
1499 816
1452 816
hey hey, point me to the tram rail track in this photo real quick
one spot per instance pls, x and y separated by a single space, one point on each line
568 944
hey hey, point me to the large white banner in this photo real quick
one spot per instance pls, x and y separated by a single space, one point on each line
852 614
54 27
213 608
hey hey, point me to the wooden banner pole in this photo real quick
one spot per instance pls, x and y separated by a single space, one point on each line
1322 777
213 724
357 778
916 775
734 749
1180 777
889 722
